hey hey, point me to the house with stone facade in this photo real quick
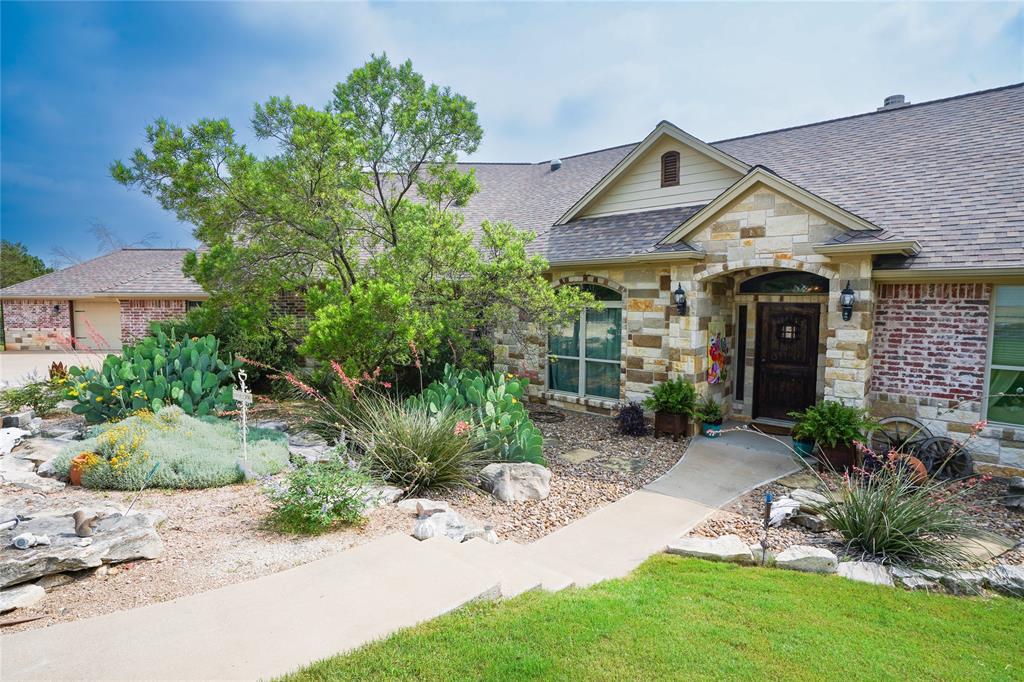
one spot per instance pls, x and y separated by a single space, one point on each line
876 259
99 304
911 215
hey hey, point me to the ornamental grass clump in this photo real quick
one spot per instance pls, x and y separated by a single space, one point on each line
885 515
316 497
416 448
187 452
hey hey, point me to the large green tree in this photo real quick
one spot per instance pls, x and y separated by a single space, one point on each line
358 208
18 265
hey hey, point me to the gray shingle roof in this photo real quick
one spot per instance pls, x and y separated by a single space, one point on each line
143 272
631 234
946 173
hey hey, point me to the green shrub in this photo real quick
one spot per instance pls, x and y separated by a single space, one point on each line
887 516
494 402
832 424
416 447
709 411
41 396
315 497
676 396
157 371
189 452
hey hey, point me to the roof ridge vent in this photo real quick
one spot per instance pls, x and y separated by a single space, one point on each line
556 164
893 102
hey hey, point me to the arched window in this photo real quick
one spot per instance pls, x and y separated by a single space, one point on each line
669 169
588 363
785 282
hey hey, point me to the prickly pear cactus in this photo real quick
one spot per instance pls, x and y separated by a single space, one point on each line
157 371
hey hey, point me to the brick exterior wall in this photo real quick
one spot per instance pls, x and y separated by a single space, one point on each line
931 340
37 325
136 314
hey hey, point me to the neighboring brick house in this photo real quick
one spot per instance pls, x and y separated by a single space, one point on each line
917 209
99 304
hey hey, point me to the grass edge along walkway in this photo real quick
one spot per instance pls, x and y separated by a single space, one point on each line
691 619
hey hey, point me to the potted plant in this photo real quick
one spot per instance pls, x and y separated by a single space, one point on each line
803 439
834 428
710 413
673 404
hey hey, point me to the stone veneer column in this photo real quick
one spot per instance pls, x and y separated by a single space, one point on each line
848 345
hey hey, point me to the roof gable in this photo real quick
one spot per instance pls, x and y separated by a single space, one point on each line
634 182
760 176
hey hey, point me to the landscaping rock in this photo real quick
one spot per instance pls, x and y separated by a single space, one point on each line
9 437
21 597
446 523
812 522
39 450
1006 579
29 480
808 499
311 454
133 538
579 455
724 548
378 496
1015 493
13 464
48 582
486 534
514 482
808 559
800 479
866 572
19 420
421 506
782 509
270 425
917 579
964 582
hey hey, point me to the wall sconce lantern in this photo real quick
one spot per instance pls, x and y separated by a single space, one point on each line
679 296
846 302
56 308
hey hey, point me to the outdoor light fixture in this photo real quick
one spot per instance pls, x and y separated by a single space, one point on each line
679 296
56 307
846 301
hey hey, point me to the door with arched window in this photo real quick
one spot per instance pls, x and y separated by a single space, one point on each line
584 358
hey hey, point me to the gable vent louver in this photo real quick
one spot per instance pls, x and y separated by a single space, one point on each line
669 169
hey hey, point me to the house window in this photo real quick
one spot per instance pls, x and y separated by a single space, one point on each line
669 169
584 357
189 305
1005 403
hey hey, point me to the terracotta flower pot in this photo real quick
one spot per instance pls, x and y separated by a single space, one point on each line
78 463
673 424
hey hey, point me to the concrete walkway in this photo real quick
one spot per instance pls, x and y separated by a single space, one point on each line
275 624
21 367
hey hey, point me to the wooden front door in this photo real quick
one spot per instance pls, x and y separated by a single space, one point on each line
786 367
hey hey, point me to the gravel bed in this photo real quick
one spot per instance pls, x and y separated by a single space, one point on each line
216 537
626 464
744 518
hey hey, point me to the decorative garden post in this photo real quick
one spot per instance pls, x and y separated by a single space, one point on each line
244 398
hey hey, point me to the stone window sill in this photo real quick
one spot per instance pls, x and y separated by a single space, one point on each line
587 401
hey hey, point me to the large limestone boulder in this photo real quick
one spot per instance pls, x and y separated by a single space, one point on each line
724 548
809 500
1015 493
866 572
1007 579
917 578
114 540
808 559
515 482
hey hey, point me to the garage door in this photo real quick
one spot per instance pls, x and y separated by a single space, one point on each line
97 324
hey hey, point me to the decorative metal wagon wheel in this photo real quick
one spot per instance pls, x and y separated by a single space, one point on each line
903 434
945 459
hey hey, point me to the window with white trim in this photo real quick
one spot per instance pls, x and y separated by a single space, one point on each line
590 368
1005 404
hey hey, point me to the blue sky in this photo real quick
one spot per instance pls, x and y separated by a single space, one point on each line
80 81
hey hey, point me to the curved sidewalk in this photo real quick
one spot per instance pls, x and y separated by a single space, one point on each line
272 625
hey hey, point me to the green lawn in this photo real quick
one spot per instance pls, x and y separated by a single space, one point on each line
689 619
